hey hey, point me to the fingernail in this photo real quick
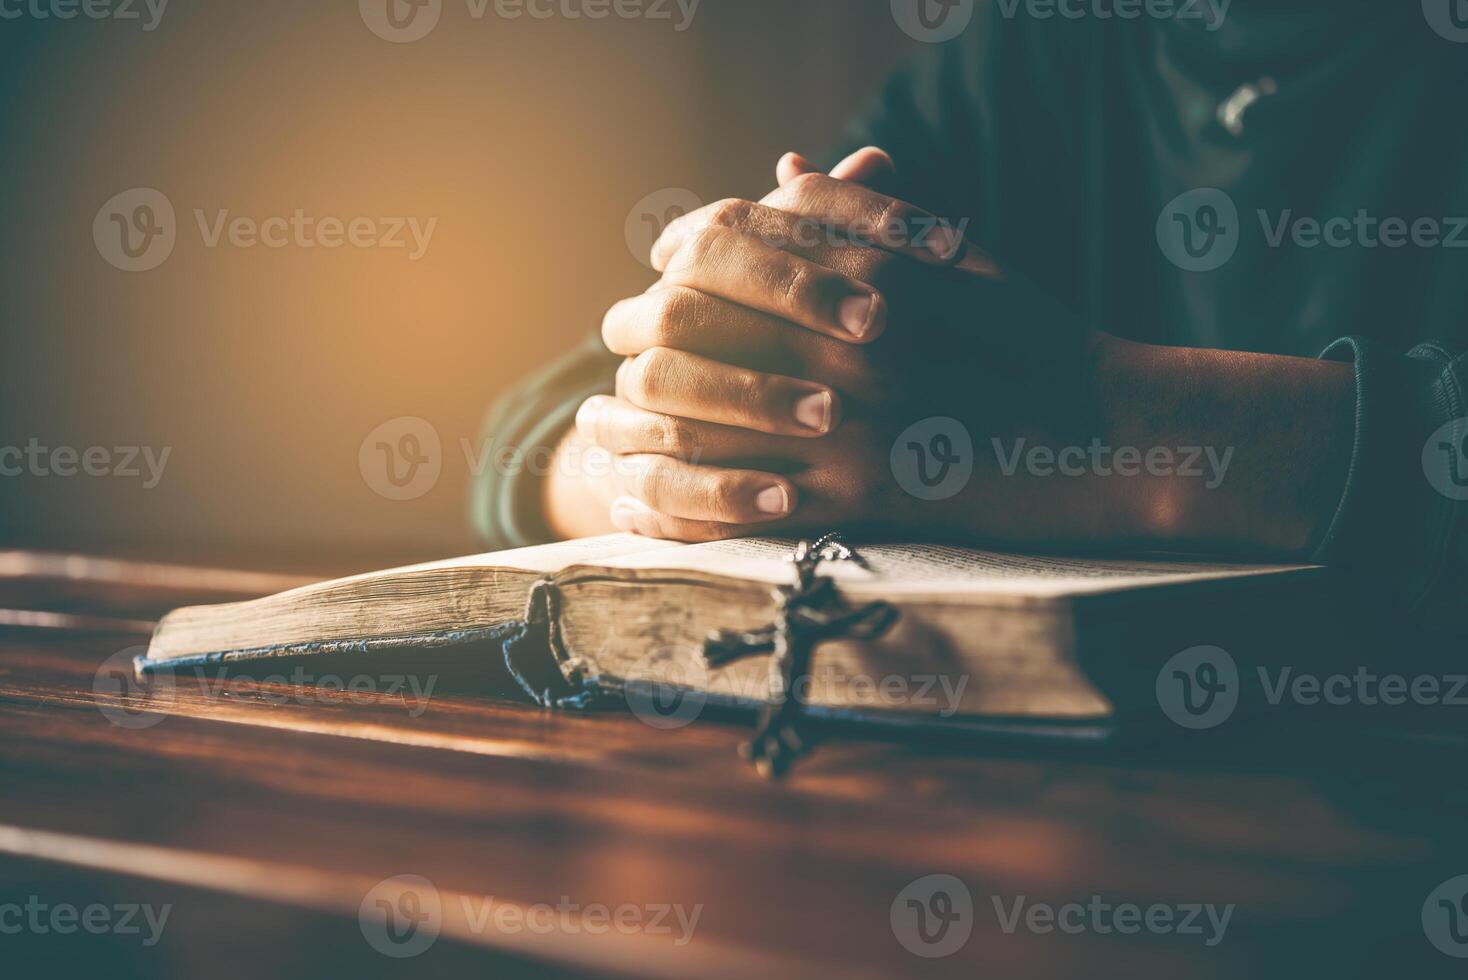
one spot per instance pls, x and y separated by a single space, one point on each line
624 515
856 314
814 411
773 500
944 242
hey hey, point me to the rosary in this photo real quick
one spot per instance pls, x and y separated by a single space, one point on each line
809 612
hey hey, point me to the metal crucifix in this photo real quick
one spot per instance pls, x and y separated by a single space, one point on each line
809 613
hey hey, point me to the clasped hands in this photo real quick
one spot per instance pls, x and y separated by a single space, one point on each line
790 340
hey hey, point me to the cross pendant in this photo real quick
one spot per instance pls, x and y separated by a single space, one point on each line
809 613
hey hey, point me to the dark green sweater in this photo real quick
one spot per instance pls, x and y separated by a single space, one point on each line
1064 142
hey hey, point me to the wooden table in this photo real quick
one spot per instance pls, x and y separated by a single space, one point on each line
264 814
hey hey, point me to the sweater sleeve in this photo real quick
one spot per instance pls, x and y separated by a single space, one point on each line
522 431
1402 521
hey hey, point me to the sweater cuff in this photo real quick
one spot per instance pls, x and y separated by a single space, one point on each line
1398 520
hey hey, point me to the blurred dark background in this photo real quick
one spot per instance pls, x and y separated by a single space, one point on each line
535 143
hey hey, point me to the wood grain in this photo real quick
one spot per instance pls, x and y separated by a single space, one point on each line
273 795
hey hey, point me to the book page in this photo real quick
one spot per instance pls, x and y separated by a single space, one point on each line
541 558
895 568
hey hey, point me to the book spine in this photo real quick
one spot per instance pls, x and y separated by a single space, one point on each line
535 657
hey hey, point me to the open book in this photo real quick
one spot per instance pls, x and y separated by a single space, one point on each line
1063 646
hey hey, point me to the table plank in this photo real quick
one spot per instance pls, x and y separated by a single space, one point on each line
309 798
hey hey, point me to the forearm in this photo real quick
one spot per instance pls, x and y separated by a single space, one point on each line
1275 435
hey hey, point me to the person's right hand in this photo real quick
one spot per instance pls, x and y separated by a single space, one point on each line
769 371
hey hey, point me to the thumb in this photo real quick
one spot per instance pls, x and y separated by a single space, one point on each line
866 166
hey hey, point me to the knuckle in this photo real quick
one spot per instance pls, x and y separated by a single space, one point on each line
724 497
653 482
674 309
731 212
893 223
643 374
804 186
799 286
673 436
700 246
755 394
